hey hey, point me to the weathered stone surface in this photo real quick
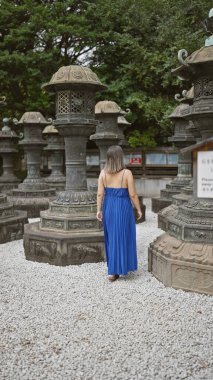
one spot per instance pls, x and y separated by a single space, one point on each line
183 258
11 221
160 203
61 248
165 214
12 227
8 149
181 264
55 150
69 232
34 193
32 205
107 131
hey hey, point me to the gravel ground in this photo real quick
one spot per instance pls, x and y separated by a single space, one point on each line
70 323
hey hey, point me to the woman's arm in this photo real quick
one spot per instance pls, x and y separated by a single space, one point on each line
100 195
133 194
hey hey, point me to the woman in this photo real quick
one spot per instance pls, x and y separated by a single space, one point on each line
117 186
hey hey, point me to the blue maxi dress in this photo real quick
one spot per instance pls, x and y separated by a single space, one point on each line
119 231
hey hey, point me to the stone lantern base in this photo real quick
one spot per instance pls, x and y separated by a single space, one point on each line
56 183
11 221
62 248
160 203
182 265
32 201
7 185
171 211
166 196
183 197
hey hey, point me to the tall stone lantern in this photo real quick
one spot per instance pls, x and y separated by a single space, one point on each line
183 257
33 194
123 124
11 221
69 231
182 137
8 149
107 131
55 149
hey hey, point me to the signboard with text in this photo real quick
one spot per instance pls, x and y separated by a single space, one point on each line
135 161
205 174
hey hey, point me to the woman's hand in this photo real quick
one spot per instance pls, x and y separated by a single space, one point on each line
99 216
139 214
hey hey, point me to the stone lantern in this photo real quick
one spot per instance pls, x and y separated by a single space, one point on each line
69 232
32 195
182 137
183 257
123 124
107 131
11 221
55 149
8 148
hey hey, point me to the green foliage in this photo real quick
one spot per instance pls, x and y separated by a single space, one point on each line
131 45
145 139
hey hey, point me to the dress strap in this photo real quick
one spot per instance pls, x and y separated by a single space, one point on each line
105 178
122 178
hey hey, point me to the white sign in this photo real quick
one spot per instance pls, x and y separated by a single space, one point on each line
205 174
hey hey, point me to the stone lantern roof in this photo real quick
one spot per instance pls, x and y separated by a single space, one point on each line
123 122
74 75
187 96
189 64
180 111
6 130
33 118
204 54
50 129
108 107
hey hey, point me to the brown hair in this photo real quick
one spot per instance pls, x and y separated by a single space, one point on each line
114 159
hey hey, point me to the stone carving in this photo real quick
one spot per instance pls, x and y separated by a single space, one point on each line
191 278
174 228
199 205
177 249
85 197
12 227
43 248
83 225
53 224
84 252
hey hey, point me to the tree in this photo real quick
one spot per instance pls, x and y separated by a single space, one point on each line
36 38
131 44
137 58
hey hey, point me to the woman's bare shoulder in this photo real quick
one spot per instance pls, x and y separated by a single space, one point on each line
128 173
102 173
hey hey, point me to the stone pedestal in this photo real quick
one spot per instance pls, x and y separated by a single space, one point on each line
8 142
182 265
183 257
33 194
11 221
55 149
69 232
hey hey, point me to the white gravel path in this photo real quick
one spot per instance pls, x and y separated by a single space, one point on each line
70 323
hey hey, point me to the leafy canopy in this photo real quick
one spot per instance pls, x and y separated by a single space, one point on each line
131 44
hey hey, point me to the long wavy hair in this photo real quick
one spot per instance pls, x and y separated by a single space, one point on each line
114 159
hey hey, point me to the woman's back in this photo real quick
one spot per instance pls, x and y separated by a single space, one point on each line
115 180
